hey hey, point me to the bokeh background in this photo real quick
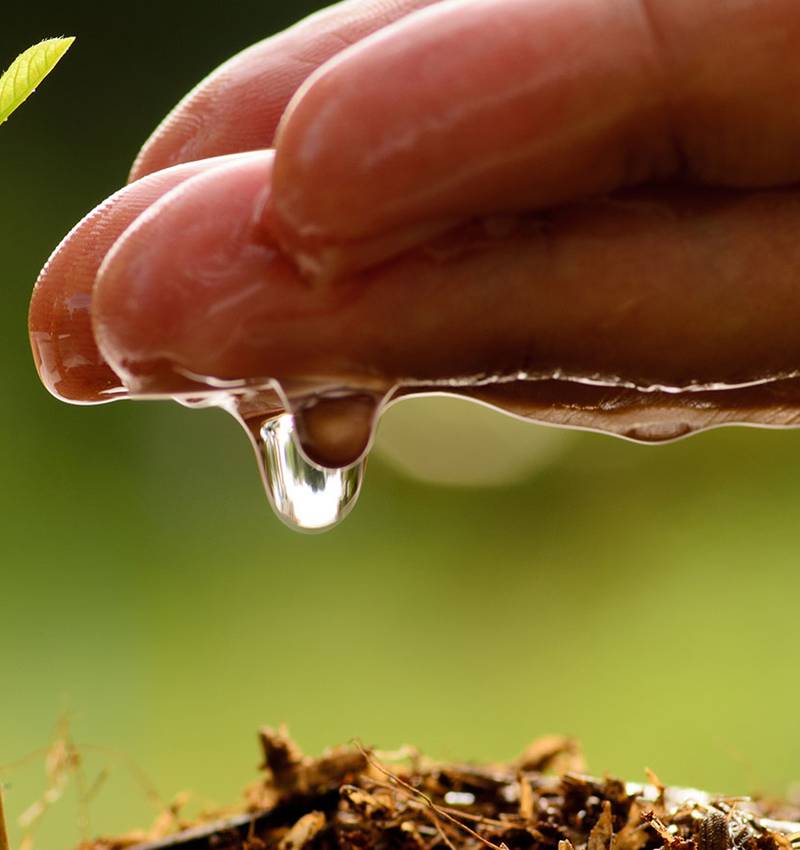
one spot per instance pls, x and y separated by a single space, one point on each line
642 599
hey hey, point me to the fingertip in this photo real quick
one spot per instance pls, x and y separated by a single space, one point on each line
166 308
59 320
59 326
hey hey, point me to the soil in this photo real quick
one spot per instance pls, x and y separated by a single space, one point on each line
355 798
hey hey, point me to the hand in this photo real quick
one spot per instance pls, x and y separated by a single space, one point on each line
597 191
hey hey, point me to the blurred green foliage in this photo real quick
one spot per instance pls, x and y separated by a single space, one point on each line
642 599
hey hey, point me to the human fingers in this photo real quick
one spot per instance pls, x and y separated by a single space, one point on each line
468 108
60 327
661 295
238 106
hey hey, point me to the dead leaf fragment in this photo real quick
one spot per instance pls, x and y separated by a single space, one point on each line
525 798
603 831
659 806
632 836
554 754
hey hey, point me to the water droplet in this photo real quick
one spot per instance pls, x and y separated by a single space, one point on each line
306 496
335 430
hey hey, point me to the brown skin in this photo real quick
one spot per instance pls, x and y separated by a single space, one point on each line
482 220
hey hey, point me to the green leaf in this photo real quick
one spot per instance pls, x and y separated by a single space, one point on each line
28 70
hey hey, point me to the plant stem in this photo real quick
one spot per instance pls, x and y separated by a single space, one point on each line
4 845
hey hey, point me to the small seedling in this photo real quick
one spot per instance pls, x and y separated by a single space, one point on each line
27 71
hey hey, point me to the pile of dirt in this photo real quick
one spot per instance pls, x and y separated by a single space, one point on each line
354 798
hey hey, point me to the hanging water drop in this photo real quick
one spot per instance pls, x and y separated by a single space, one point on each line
306 496
337 428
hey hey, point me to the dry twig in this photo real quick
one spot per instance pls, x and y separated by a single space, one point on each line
431 805
4 844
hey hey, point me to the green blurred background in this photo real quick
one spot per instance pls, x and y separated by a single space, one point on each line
642 599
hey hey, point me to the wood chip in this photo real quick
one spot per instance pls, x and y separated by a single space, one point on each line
282 757
303 831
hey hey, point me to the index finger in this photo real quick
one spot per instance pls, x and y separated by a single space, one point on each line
237 107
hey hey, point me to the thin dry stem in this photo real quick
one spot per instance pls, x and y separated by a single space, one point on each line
423 796
432 816
4 844
445 810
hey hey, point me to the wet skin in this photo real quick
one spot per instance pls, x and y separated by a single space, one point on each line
579 190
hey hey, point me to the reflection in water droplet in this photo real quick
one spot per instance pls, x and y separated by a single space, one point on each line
305 496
